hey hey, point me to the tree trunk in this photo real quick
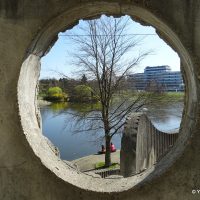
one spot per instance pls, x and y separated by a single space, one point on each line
107 155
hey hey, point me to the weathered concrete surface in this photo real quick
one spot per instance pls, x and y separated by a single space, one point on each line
142 144
152 144
128 146
29 27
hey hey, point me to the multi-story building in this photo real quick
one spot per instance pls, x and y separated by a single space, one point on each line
157 78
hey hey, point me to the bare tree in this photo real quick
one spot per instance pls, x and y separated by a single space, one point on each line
105 53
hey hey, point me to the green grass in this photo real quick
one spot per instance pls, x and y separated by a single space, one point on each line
101 165
173 96
168 97
41 95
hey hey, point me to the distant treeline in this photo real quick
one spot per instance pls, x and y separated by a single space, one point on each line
71 89
67 85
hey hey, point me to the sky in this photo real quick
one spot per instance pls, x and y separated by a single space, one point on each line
58 60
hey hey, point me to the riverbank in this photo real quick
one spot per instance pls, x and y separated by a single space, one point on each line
151 96
88 163
41 103
168 97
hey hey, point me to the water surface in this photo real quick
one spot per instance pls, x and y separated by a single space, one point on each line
59 126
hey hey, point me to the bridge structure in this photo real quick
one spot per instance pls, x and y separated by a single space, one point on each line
29 168
143 145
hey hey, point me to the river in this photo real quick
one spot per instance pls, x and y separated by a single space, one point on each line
60 127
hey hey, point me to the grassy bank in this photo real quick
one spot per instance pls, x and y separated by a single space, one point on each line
130 96
101 165
151 97
168 97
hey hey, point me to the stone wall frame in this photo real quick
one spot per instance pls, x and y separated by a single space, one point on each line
27 92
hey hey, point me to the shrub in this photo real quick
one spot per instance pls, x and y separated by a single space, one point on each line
54 91
55 94
84 93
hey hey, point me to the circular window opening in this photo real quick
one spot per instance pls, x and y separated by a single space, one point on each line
73 97
30 116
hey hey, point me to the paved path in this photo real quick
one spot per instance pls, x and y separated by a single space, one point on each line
88 162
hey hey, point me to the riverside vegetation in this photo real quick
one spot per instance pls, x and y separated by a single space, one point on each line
84 94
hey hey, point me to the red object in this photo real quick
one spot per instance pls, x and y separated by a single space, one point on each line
112 147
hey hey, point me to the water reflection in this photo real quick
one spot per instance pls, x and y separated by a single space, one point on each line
59 126
166 117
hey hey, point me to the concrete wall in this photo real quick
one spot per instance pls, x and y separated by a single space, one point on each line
28 170
128 145
152 144
143 145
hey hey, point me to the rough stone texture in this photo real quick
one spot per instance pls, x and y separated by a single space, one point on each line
128 145
152 144
29 169
143 145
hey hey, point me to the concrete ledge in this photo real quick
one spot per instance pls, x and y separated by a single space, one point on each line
88 162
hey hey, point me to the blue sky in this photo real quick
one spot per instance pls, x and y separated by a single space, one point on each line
59 59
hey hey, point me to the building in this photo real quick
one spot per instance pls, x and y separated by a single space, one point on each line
157 78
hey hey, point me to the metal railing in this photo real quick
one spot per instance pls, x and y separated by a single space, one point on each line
107 172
